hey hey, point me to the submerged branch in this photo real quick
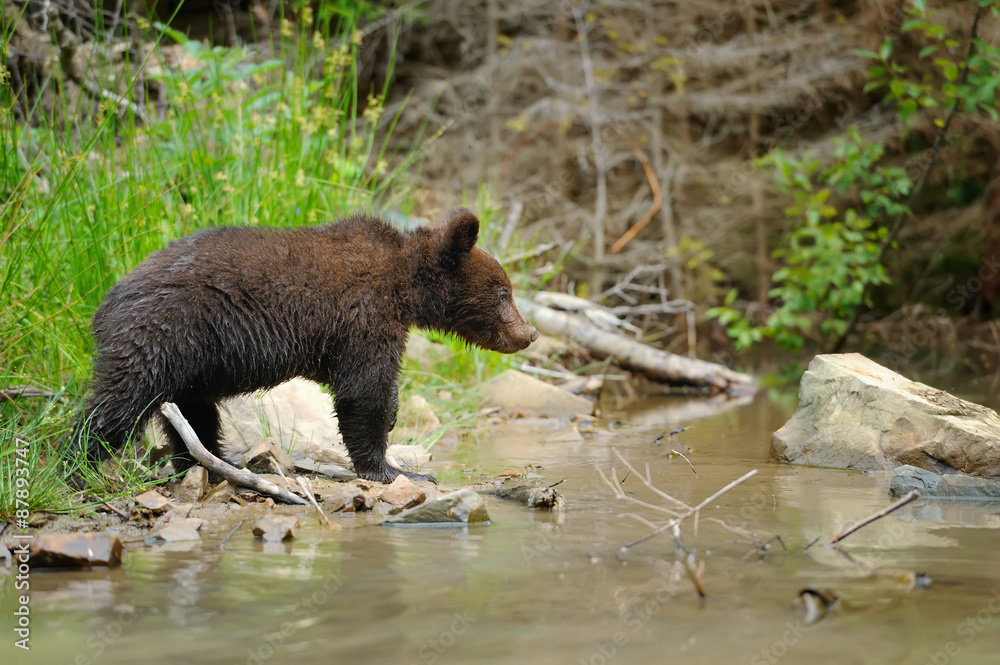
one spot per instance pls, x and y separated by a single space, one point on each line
913 495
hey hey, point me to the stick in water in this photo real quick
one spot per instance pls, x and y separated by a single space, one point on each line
914 494
224 469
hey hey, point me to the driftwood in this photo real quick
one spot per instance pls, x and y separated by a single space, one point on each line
653 363
224 469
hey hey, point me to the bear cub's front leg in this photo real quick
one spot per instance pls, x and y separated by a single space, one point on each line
366 416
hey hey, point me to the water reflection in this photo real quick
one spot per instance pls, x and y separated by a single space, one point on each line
554 587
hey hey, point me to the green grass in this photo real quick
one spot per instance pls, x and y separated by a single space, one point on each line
88 193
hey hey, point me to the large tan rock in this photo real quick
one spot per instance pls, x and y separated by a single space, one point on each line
855 414
297 414
59 550
519 393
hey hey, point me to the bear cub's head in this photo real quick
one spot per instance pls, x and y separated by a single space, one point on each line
478 300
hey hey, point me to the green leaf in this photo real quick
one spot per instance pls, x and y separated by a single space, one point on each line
885 50
926 51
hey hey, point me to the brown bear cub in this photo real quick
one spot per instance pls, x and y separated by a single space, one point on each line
233 310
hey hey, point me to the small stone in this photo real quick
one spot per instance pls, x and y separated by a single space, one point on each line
417 420
462 507
194 486
347 499
952 485
907 478
327 455
412 456
402 492
262 456
179 530
153 501
516 392
383 508
61 550
568 435
221 493
276 527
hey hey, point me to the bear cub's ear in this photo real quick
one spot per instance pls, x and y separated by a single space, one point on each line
458 235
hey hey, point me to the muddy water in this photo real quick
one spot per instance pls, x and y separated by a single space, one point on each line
553 588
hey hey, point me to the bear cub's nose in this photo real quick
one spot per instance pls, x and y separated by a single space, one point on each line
534 334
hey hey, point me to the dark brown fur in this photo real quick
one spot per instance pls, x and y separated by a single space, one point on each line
234 310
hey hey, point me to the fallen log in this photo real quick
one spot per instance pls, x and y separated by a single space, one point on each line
212 463
630 354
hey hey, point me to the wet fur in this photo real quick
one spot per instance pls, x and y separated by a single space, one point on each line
234 310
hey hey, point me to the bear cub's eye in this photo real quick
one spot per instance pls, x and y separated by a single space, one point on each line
504 293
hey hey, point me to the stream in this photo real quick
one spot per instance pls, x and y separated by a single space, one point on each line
554 587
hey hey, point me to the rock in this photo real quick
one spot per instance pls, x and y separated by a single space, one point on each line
416 420
402 492
153 501
347 499
382 508
276 527
569 435
856 414
296 413
180 530
533 497
334 471
954 485
194 486
221 493
321 455
516 392
462 507
61 550
261 456
906 478
411 456
424 354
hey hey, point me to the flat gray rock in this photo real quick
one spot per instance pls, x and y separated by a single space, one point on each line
949 486
855 414
455 509
180 530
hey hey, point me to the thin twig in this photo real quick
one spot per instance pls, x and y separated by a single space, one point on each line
676 452
913 495
654 185
648 484
236 528
620 493
120 513
692 511
309 495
